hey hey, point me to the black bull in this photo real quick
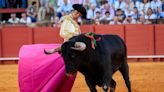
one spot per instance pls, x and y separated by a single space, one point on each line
97 64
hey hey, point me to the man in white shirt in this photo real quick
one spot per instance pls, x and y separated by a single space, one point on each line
129 5
129 20
142 20
119 4
91 2
66 7
98 15
61 2
121 16
115 21
76 1
111 2
156 4
23 18
13 19
44 7
106 7
91 13
107 16
150 14
144 6
135 14
160 13
137 4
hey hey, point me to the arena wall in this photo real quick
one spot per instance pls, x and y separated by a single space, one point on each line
140 39
0 43
159 39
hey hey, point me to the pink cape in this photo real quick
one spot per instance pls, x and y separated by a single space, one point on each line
42 73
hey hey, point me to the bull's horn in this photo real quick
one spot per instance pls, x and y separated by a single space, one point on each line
49 51
80 46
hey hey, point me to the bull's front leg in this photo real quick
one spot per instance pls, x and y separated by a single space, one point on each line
112 85
106 84
91 85
107 77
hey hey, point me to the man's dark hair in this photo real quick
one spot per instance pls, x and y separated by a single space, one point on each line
33 3
135 7
98 12
107 12
118 9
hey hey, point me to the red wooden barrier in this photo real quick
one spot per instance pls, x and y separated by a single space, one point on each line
110 29
159 39
140 39
87 28
46 35
0 43
10 10
13 38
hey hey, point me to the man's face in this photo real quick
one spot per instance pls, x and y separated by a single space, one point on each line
106 6
98 14
129 19
56 19
34 5
142 19
119 13
65 1
115 19
93 7
76 14
23 15
13 15
145 1
150 11
107 14
135 10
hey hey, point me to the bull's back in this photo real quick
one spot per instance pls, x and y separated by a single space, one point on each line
116 49
114 43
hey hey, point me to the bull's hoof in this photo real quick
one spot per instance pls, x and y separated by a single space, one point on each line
112 89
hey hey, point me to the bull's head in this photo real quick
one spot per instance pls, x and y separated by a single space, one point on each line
71 53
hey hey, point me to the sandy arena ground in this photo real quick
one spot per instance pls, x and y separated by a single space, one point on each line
145 77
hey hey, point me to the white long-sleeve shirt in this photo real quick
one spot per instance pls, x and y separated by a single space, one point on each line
118 5
154 5
145 7
153 16
91 14
11 20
